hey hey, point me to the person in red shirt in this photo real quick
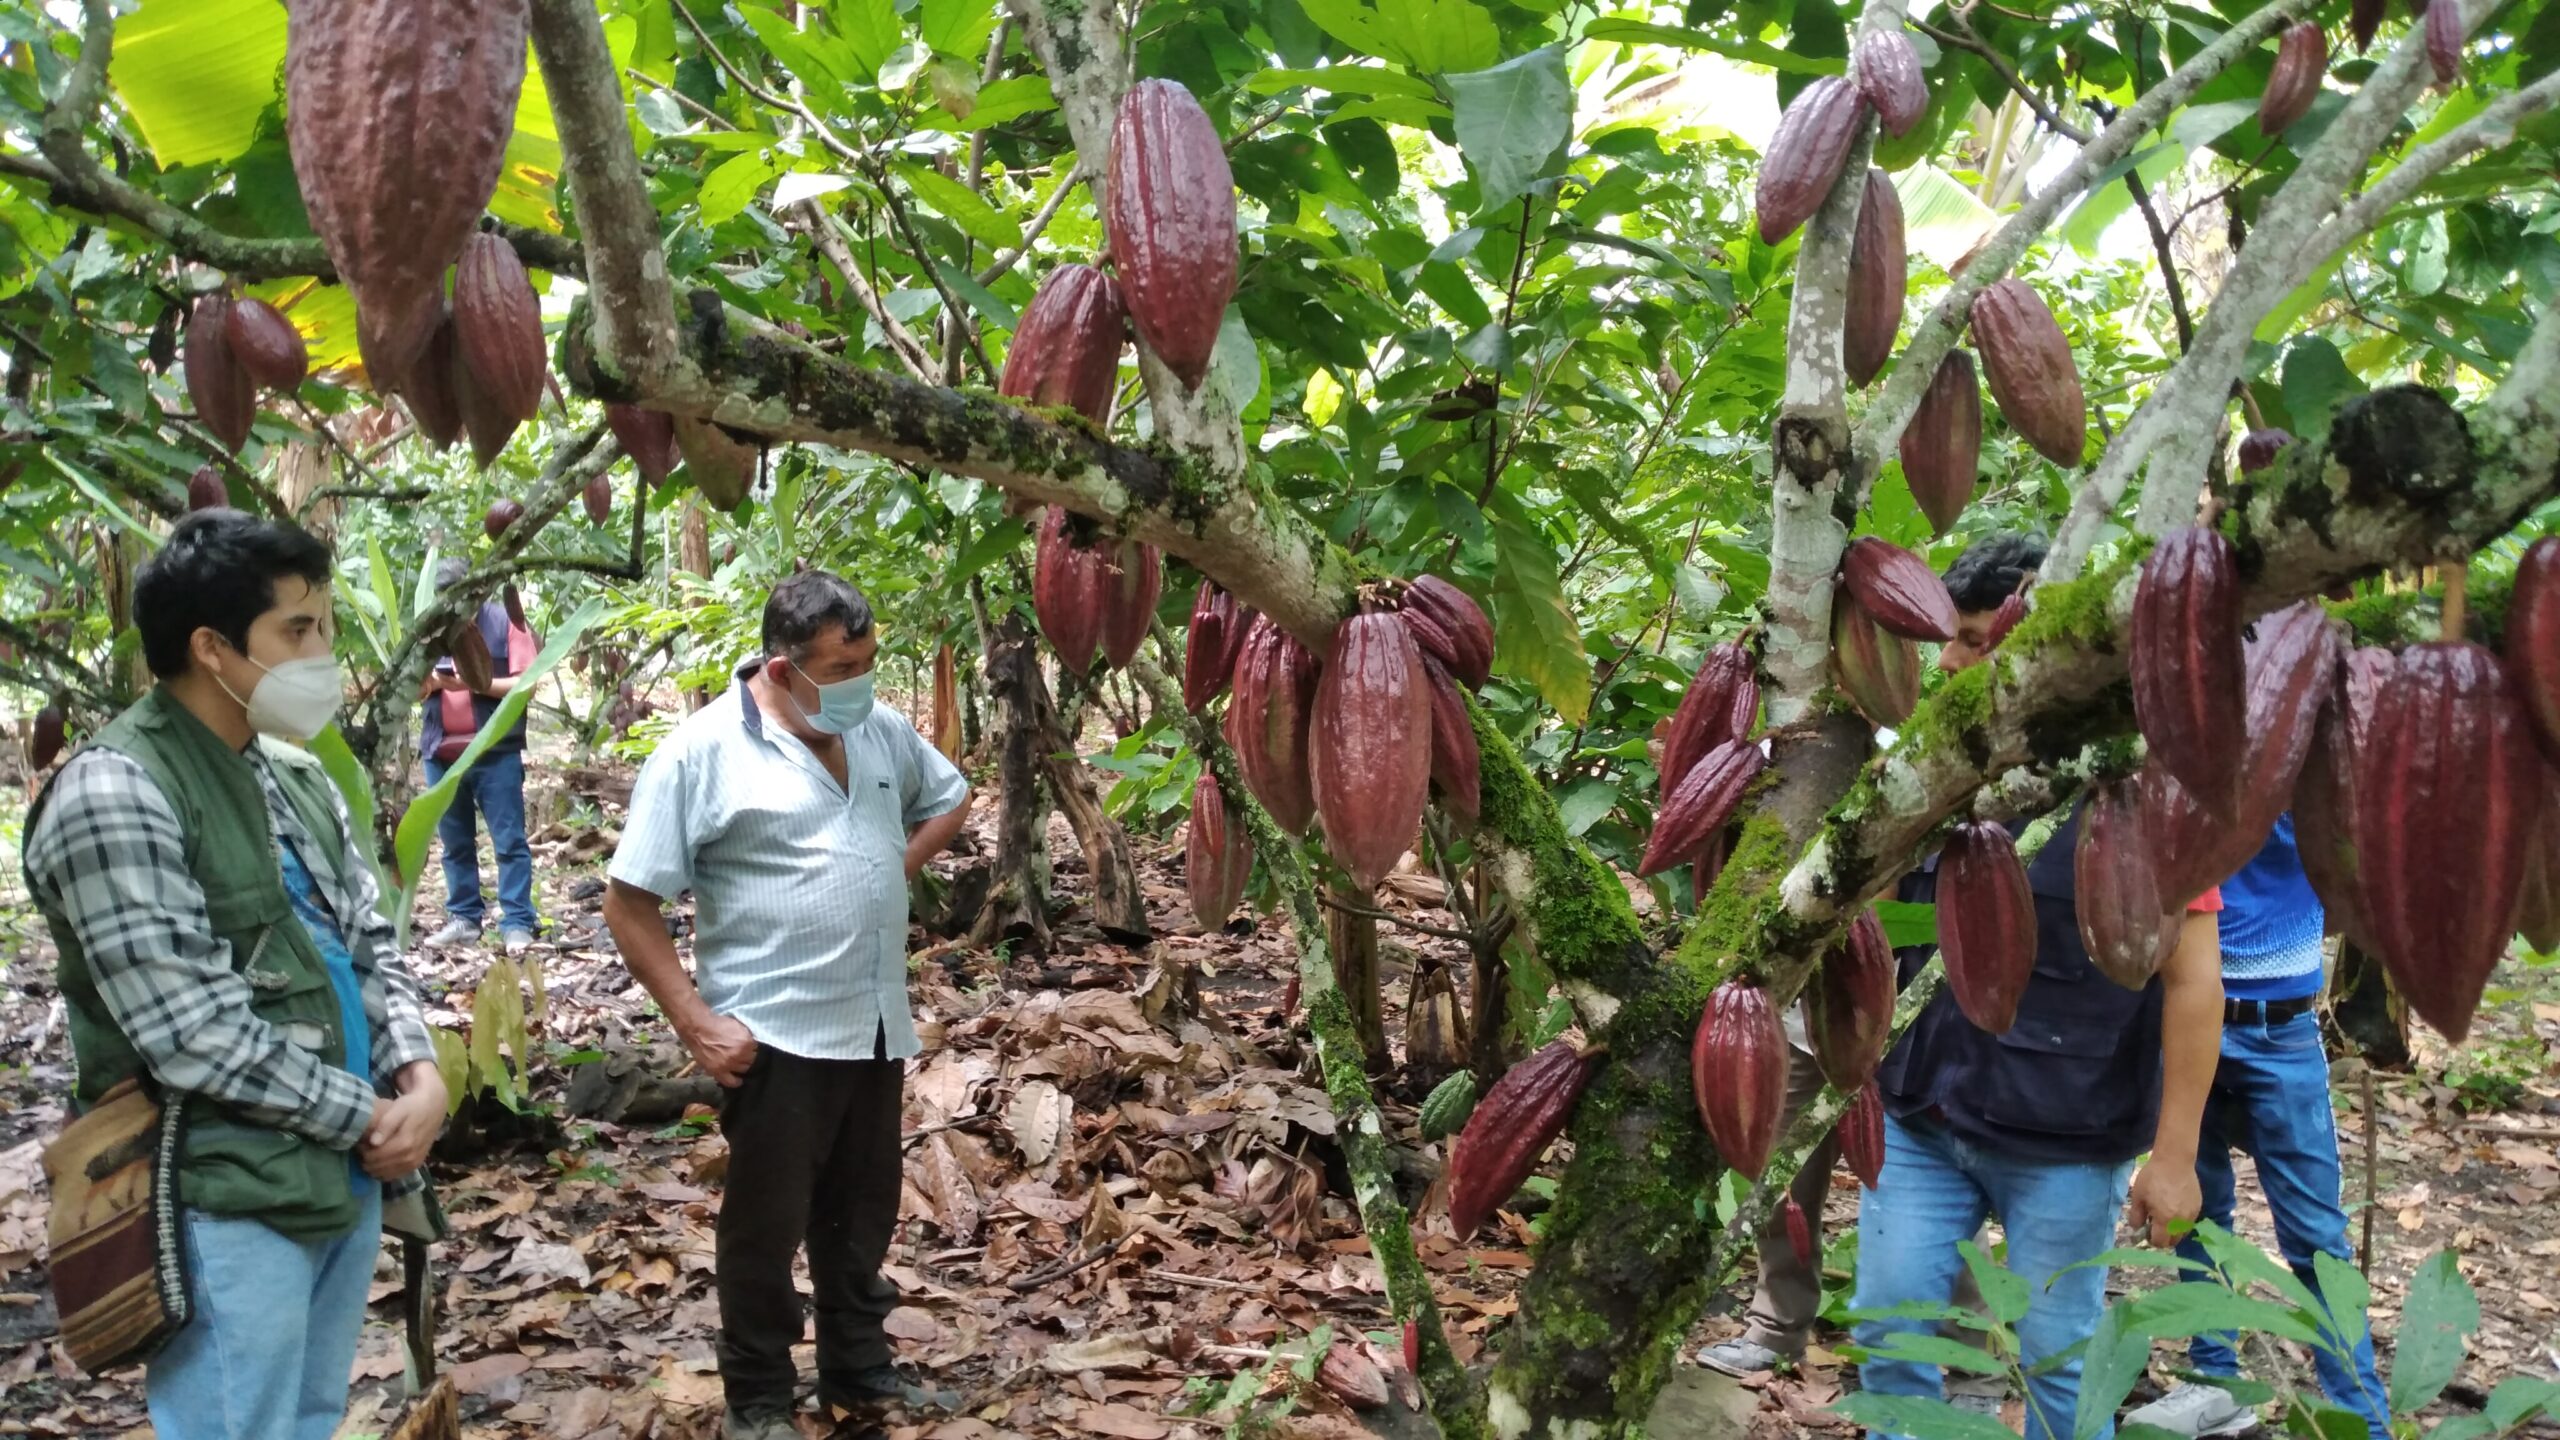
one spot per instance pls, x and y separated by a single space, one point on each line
492 790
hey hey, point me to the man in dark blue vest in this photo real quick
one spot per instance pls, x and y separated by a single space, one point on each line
2040 1125
493 788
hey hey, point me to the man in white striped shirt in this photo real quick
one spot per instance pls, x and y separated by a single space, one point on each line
796 811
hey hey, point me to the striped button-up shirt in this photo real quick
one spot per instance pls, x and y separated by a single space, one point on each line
799 884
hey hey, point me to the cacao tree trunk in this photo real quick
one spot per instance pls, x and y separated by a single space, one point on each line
1119 906
1354 942
1017 911
2362 1014
694 552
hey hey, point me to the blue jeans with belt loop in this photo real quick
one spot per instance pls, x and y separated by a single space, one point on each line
2270 1098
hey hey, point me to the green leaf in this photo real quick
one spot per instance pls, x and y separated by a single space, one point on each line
1923 1348
981 299
2440 1313
962 206
732 185
1343 80
1637 32
2003 1292
98 496
1907 923
1235 365
1440 36
2201 1307
1538 638
1512 120
197 75
1448 285
2198 126
1582 804
2425 270
2116 1356
1008 99
2345 1295
2519 1398
871 33
330 748
1920 1417
824 74
958 28
2316 382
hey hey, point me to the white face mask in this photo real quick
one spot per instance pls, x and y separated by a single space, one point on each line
294 700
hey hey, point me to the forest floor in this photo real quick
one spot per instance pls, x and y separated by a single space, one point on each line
1111 1214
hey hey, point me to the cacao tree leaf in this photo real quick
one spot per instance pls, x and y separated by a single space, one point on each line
804 55
1908 923
1536 636
962 206
1581 804
1512 120
871 32
2344 1294
197 75
2520 1398
732 185
958 28
1455 293
1010 98
2316 383
356 788
1437 37
1919 1417
1343 80
2004 1293
1638 32
2113 1360
1943 1351
1235 366
2439 1315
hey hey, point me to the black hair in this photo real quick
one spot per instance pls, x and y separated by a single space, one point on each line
218 572
808 603
1992 568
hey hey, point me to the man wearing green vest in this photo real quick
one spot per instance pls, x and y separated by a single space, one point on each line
220 938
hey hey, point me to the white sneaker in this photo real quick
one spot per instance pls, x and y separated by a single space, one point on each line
2196 1410
1977 1402
1739 1358
518 941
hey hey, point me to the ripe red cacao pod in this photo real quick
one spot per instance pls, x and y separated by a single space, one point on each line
1878 670
1455 615
2302 58
265 344
1457 759
1986 923
1862 1136
598 498
2538 902
1066 351
1511 1127
2128 930
484 417
648 437
1942 446
2013 608
497 320
1412 1348
2190 696
1722 703
1217 856
2291 669
2028 362
428 389
1068 590
1879 280
226 399
1899 589
721 464
398 113
47 741
1890 79
1704 800
2533 640
2363 18
1369 746
206 490
2259 448
1849 1005
1172 217
2324 793
1709 864
1209 645
1132 583
500 515
1805 155
1267 722
1799 1230
2444 45
1738 1073
2448 795
1352 1378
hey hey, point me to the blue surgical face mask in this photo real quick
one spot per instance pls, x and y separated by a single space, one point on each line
842 706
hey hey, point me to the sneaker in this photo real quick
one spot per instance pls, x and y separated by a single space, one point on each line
758 1425
885 1384
518 941
2196 1410
1976 1402
1740 1358
455 935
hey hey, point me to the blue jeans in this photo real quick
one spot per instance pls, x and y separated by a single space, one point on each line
494 787
1935 1192
271 1330
2270 1098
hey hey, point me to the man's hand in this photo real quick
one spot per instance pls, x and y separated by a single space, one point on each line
2164 1191
723 1047
398 1142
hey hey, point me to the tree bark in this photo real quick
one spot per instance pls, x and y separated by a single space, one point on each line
1119 906
1353 939
693 552
1017 911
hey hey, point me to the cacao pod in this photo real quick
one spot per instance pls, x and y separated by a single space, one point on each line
721 465
1879 280
1510 1129
1849 1005
1899 589
1455 615
1132 583
1705 800
1457 762
598 498
500 515
2128 930
2302 58
1738 1072
484 418
2538 906
1986 923
1209 646
46 743
1172 214
1862 1136
1217 856
1446 1108
468 649
1066 351
1350 1377
1942 446
1267 722
1413 1345
2259 448
2029 365
2013 608
497 321
1710 863
162 348
398 113
1722 703
1878 670
2444 55
2363 18
1805 155
205 490
428 389
1369 747
2448 796
2291 669
648 437
2324 793
265 345
1799 1230
1890 79
2190 694
1068 590
225 398
1435 1029
2533 640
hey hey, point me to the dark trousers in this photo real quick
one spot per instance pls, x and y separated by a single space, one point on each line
814 1155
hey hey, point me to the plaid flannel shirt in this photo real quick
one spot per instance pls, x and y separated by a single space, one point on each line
109 855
